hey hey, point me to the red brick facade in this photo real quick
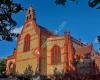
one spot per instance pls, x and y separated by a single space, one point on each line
54 51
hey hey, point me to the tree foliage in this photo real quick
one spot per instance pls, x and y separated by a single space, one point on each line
2 66
7 23
91 3
28 73
94 4
98 38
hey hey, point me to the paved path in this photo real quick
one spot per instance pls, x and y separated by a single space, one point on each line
8 79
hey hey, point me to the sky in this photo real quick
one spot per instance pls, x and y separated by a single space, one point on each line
82 21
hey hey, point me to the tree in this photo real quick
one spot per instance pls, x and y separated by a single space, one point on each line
7 23
91 3
94 3
58 74
28 73
98 38
2 66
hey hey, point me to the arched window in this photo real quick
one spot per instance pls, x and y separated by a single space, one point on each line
27 43
55 55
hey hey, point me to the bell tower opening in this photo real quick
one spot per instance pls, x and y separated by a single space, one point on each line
30 14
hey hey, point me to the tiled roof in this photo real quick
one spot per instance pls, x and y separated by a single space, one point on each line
77 41
84 50
10 57
43 28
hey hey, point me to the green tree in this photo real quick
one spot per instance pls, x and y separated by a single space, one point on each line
28 73
7 23
2 66
98 38
91 3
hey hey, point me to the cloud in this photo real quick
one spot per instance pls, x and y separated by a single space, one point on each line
60 27
17 30
84 42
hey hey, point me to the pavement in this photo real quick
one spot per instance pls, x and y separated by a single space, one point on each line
9 79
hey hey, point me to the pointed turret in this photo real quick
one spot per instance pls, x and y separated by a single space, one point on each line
70 53
65 52
30 14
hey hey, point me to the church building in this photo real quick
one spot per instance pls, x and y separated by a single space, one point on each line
44 51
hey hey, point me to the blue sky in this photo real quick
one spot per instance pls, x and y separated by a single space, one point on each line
82 21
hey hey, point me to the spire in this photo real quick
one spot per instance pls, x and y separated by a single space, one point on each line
30 14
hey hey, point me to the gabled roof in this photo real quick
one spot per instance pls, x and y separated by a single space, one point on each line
10 57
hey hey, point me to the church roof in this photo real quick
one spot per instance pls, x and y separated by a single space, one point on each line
10 57
45 29
77 41
84 50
